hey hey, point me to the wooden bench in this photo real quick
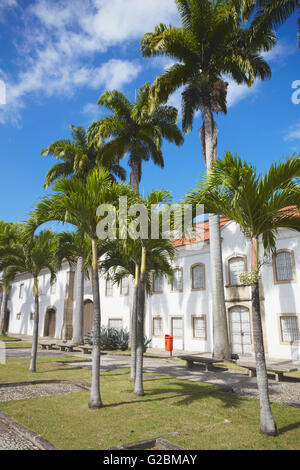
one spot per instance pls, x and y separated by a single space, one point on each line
66 346
278 370
206 361
47 344
86 348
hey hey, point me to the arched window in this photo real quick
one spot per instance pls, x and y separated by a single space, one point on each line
157 283
124 286
109 287
198 276
236 266
284 266
177 284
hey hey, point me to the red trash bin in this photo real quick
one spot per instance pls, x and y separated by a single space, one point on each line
169 343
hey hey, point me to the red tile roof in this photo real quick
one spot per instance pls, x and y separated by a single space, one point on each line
203 233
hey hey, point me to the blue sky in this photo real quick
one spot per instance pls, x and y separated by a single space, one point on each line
57 57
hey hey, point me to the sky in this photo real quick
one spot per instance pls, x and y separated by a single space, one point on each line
58 56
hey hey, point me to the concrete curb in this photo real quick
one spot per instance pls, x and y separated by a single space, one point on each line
26 433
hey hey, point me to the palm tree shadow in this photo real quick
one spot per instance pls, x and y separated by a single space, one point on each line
290 427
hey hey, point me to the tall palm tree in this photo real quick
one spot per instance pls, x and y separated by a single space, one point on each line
77 157
135 130
258 203
132 129
31 255
122 260
211 44
270 12
77 202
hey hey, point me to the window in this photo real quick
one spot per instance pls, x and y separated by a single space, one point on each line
53 288
31 315
198 276
290 332
236 267
157 326
177 284
19 316
284 266
177 327
109 287
124 288
116 323
199 327
157 283
21 291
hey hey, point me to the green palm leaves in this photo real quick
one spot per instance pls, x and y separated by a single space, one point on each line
135 129
210 45
257 202
78 157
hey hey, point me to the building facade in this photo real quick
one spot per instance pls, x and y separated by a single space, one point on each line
182 307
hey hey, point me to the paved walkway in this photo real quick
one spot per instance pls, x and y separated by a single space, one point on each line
10 440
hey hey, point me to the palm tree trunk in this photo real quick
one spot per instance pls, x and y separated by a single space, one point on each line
35 334
3 311
139 389
95 398
133 333
221 347
78 313
267 423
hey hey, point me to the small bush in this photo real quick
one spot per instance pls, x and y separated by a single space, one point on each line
112 339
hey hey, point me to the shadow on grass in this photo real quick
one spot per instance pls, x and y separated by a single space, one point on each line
189 393
288 428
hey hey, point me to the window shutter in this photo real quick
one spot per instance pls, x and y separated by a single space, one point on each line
198 277
236 267
284 266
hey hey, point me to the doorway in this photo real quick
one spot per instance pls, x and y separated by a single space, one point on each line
50 323
240 328
88 317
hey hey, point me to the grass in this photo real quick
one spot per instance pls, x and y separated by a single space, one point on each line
14 345
8 338
202 416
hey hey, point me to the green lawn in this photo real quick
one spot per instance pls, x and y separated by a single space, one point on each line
204 416
16 344
8 338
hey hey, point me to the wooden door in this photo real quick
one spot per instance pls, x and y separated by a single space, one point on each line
50 323
88 317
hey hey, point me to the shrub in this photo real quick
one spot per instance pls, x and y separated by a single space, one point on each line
112 339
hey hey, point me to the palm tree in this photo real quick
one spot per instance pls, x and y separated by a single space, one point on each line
210 45
122 260
270 12
77 158
76 248
31 255
131 129
8 235
76 202
258 203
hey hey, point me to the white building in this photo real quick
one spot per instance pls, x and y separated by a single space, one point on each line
182 308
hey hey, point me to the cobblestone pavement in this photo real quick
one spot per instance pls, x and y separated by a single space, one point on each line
10 440
22 353
21 392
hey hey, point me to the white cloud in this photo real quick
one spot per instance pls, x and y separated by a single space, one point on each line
293 132
62 40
